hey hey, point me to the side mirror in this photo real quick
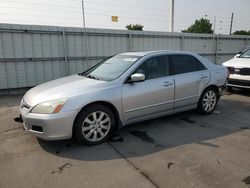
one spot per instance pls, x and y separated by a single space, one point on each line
137 77
237 55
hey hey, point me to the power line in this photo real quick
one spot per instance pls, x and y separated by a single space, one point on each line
180 12
76 10
178 20
152 19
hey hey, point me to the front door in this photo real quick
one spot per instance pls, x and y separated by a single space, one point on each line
152 96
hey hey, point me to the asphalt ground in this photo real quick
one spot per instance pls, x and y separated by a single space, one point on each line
181 150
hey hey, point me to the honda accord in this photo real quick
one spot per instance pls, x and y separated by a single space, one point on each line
123 89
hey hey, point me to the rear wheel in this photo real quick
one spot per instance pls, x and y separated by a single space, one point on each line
208 101
94 124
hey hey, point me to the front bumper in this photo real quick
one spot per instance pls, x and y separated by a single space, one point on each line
239 83
49 126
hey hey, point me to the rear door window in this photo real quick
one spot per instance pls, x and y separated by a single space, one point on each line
185 64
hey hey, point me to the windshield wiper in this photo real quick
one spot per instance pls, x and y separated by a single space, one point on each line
92 77
81 74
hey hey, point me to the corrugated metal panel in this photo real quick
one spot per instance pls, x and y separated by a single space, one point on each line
225 58
200 45
3 76
231 45
30 55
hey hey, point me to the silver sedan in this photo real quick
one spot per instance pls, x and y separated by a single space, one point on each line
121 90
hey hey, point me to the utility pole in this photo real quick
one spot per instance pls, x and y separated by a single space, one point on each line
214 23
231 25
85 33
171 17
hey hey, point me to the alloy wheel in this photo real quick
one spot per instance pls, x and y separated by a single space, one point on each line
96 126
209 101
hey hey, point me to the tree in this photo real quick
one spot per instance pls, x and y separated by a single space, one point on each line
242 32
202 25
135 27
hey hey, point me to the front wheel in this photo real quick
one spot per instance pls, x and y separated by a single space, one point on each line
233 89
208 101
94 124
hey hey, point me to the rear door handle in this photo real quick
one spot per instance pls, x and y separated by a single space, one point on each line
204 76
166 84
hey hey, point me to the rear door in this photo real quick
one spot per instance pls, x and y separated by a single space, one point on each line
191 77
152 96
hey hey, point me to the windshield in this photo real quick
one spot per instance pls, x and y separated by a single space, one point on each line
245 54
111 68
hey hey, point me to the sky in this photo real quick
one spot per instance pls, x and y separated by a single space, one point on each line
152 14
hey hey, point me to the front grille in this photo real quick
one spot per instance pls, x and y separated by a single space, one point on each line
245 71
239 82
240 71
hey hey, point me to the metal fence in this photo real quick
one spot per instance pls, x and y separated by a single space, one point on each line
30 55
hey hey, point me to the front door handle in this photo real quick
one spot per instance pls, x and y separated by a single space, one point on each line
166 84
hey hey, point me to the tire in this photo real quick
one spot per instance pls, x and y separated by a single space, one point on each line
230 89
94 124
208 101
233 89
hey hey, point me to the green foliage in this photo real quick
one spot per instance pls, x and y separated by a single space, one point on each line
200 26
135 27
242 32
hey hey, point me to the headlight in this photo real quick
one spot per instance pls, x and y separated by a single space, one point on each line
49 107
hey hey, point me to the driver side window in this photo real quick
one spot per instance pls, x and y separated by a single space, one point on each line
155 67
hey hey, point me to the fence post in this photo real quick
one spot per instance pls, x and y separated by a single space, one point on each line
66 68
130 42
4 63
129 46
246 41
182 42
216 49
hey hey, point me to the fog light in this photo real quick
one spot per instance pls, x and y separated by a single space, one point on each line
37 128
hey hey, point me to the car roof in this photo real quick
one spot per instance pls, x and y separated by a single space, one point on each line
158 52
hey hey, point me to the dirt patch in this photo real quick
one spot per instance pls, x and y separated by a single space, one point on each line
143 136
245 127
18 119
61 168
116 138
170 164
186 119
246 180
68 145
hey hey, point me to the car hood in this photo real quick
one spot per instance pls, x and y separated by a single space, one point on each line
61 88
238 62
